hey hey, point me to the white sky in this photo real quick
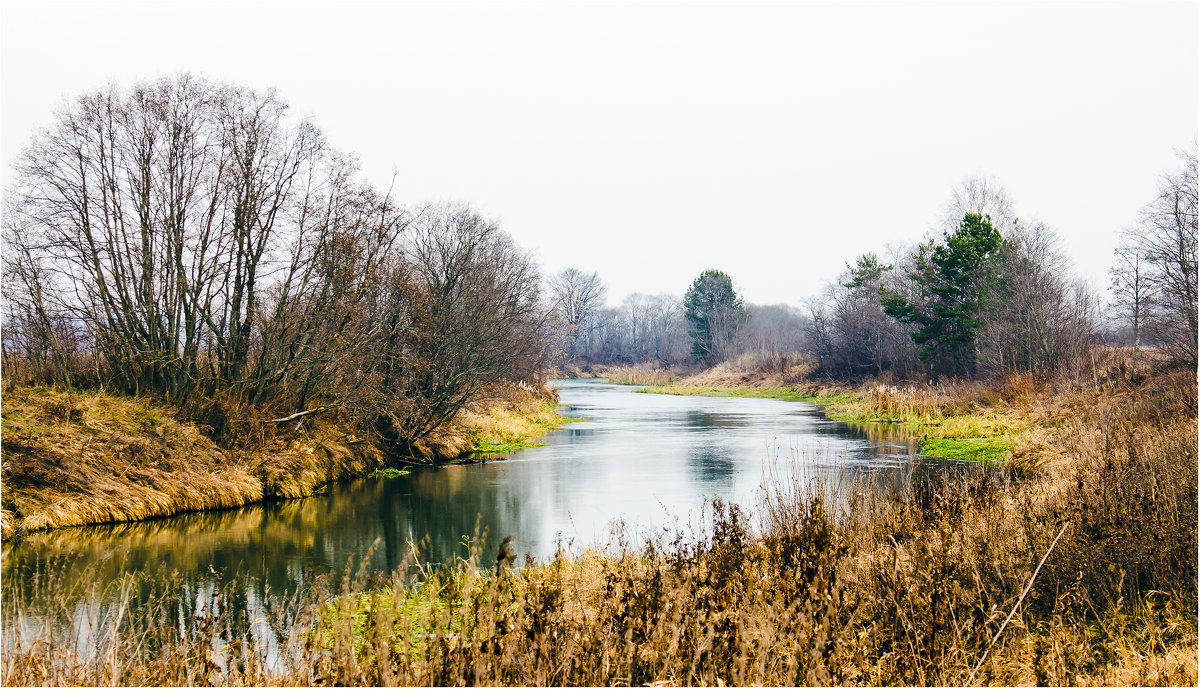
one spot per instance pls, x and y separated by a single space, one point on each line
652 141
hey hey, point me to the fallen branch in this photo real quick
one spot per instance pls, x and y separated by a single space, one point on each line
1018 605
299 414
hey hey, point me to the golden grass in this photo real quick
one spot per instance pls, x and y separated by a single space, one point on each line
71 459
638 375
503 419
513 418
907 589
86 458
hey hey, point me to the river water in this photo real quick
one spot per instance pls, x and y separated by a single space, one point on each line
650 462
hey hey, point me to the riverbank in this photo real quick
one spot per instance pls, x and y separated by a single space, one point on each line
73 458
1016 422
1084 574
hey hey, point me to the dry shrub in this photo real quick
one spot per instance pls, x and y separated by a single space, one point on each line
1134 498
782 367
1019 388
927 403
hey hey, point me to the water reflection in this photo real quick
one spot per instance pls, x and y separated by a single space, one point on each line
712 466
650 460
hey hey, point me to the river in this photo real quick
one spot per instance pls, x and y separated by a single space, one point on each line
648 462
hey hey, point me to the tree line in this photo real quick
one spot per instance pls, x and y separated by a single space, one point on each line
193 240
990 295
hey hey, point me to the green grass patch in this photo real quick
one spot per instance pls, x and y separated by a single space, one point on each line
390 472
490 447
972 449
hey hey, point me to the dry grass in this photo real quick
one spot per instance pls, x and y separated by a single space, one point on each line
638 375
129 461
75 458
503 419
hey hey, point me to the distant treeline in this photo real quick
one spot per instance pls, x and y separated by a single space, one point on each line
990 295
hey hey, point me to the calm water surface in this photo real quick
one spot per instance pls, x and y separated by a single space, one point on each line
650 460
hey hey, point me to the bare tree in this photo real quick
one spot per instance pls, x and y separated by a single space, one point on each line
1130 287
476 319
156 209
218 252
850 335
1035 319
31 337
577 297
1167 233
982 196
773 336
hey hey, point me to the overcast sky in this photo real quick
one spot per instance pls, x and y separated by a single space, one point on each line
650 141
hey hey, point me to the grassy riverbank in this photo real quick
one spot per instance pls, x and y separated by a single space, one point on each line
1085 574
72 458
970 421
955 423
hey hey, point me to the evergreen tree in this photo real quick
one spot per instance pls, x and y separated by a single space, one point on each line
714 312
949 291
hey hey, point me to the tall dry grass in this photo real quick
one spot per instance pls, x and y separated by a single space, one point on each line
639 375
72 458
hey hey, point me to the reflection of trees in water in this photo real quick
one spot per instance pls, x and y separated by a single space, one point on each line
699 420
441 507
278 545
249 540
711 465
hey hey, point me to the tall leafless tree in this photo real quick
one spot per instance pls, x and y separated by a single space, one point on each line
1167 232
1036 320
577 296
156 209
1132 293
477 318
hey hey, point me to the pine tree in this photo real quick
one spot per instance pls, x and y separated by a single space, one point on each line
950 290
714 311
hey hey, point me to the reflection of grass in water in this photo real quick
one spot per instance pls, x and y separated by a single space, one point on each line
806 594
782 393
903 588
489 447
950 427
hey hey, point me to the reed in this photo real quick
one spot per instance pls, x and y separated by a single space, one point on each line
638 375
